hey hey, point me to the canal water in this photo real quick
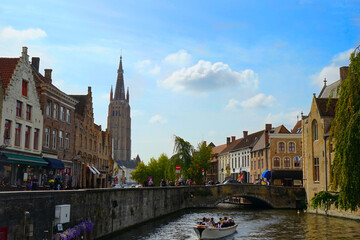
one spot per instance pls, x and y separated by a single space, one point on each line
253 224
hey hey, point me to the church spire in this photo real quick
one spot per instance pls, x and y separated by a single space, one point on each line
119 89
111 94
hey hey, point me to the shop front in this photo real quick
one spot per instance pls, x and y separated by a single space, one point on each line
19 171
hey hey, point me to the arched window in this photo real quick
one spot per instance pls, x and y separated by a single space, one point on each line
276 162
281 147
292 147
315 131
287 162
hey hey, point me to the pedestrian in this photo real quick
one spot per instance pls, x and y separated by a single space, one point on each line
35 183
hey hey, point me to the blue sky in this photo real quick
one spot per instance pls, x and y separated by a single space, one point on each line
202 70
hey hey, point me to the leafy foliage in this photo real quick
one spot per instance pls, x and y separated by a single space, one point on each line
201 160
183 151
191 162
345 171
324 198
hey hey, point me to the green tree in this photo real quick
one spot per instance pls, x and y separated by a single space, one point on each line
141 173
200 160
345 171
183 153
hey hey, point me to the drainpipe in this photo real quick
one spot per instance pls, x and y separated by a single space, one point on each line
325 158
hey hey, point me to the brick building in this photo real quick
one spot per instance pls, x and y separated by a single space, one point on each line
59 125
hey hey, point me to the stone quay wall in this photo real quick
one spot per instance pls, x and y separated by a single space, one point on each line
112 210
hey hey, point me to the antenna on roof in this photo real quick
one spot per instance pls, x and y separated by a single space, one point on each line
325 82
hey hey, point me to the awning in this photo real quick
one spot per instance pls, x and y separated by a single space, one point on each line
54 163
91 169
266 174
97 171
25 160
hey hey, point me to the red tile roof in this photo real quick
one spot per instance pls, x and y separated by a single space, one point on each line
218 149
7 68
296 127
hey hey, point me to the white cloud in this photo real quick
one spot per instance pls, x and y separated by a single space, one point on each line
8 33
331 72
287 118
142 64
158 119
180 59
205 76
257 101
155 70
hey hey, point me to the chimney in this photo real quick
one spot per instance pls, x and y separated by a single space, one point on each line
35 62
232 138
48 74
245 133
228 140
343 73
268 127
205 143
24 54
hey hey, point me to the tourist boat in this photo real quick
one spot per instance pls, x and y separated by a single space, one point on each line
205 232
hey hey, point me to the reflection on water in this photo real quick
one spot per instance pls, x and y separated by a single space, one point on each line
253 224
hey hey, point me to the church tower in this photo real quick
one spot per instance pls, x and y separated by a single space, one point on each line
119 121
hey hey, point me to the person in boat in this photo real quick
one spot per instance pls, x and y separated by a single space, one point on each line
231 222
225 222
212 222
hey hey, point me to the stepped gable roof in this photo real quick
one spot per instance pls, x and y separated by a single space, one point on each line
230 146
80 106
127 164
325 108
330 90
7 68
218 149
297 128
249 141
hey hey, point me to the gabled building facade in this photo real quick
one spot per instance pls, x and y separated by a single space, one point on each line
212 173
226 160
21 122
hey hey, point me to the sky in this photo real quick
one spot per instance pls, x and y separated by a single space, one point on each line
201 70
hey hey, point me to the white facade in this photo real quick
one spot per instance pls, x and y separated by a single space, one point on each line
240 161
13 95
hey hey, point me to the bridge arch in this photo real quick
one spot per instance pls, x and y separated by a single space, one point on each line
256 200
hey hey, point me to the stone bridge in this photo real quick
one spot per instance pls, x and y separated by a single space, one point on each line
113 210
268 196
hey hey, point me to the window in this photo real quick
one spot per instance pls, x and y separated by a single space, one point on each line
54 138
67 140
276 162
262 163
17 134
287 162
48 108
316 170
67 115
18 108
36 138
28 112
25 88
27 136
281 147
55 111
62 113
259 164
7 131
315 132
61 139
47 137
291 147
